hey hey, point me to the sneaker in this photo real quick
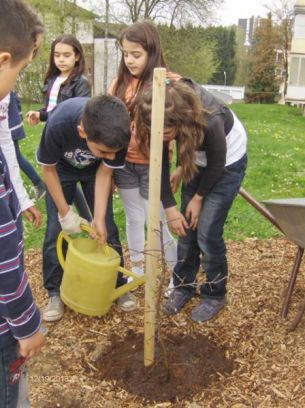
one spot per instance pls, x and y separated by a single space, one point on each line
127 302
207 309
177 299
40 190
138 270
54 309
170 288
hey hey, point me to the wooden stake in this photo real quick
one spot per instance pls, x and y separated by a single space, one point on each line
153 227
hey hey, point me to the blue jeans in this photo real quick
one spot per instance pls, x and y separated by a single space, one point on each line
8 392
26 166
208 238
52 271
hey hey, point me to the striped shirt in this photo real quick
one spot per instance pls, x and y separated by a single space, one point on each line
19 315
54 93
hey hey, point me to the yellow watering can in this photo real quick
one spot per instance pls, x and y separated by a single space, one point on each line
90 274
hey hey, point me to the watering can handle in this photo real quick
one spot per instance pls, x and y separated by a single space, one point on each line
89 229
60 255
86 228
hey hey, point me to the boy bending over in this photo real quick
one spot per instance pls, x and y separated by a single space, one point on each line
83 141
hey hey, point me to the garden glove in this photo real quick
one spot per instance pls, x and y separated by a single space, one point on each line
71 222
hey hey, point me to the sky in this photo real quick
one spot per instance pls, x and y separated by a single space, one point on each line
232 10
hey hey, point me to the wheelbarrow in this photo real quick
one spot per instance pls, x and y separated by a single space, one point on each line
288 215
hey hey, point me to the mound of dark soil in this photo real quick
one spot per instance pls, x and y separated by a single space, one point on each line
190 364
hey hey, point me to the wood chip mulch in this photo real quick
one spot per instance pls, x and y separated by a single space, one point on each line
246 357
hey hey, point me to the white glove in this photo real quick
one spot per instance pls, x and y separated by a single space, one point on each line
71 222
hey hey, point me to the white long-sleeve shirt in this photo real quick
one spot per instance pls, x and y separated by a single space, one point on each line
8 149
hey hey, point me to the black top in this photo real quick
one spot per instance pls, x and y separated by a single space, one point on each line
219 122
79 86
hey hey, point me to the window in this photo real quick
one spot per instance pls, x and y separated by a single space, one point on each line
299 26
302 72
297 71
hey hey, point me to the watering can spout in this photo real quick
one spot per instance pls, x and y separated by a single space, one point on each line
121 290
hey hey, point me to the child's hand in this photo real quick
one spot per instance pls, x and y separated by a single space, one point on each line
33 215
175 179
176 221
193 209
71 222
100 233
32 117
31 346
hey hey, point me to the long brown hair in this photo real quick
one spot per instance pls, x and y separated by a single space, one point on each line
184 112
145 34
79 67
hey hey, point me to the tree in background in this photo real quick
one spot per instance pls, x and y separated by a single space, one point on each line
283 12
225 47
262 58
241 58
187 52
173 12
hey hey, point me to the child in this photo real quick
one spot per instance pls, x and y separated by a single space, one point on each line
212 154
20 30
141 53
83 137
65 76
17 132
64 80
29 210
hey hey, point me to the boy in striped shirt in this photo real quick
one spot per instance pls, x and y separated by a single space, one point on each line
20 339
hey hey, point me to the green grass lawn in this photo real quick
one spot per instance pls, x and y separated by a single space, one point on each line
275 170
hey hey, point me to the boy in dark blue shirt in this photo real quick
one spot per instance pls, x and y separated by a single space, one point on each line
83 141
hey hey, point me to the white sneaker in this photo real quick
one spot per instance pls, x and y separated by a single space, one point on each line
138 270
170 288
54 309
127 302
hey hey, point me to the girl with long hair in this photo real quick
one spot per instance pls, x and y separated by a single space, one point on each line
64 78
141 53
212 158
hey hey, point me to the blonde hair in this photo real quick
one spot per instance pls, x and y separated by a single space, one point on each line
184 112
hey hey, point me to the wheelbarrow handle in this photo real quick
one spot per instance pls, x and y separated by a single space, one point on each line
260 208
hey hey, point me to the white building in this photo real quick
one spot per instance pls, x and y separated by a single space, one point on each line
296 79
107 57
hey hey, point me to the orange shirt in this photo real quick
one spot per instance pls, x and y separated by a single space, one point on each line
134 154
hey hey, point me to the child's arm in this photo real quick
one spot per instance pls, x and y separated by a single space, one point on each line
69 220
27 206
53 184
18 311
103 185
